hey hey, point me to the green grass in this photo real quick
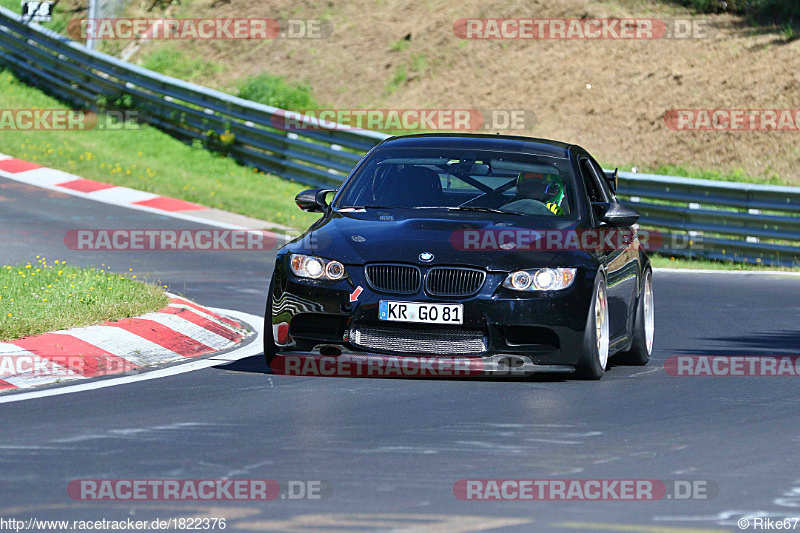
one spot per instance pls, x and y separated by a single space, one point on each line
400 45
398 78
661 261
737 175
150 160
41 297
273 90
419 62
788 32
178 64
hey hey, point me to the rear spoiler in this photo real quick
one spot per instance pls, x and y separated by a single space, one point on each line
613 178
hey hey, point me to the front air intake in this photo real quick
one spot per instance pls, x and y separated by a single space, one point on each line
394 278
454 281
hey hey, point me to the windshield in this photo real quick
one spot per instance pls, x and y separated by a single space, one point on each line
458 179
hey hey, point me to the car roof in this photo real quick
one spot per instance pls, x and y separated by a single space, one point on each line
507 143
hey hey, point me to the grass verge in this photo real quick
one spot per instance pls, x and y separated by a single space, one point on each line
738 175
41 297
662 261
144 158
180 64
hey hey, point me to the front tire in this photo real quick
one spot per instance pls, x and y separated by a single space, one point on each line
596 339
643 327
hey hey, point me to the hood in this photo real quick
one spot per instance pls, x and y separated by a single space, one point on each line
463 238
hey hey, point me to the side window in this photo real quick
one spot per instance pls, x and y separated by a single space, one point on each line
596 194
608 191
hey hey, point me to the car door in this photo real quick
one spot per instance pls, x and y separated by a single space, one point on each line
620 258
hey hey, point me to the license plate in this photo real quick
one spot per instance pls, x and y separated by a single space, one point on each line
421 312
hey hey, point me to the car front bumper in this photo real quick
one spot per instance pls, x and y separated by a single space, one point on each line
536 330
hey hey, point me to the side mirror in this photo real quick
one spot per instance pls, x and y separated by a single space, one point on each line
313 200
613 178
616 214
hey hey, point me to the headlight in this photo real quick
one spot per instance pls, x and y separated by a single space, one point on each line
334 270
308 266
543 279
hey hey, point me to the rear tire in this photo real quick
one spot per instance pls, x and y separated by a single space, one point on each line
594 360
270 350
643 327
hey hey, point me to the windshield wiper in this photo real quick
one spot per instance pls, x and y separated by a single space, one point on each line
484 210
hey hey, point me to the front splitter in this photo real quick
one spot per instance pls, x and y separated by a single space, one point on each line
361 364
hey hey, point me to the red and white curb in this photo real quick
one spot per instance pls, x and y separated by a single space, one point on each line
181 331
33 174
56 180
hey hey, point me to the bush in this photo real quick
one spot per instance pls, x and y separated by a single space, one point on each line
275 91
703 6
781 8
774 9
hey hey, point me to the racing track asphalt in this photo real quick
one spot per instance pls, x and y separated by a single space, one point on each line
392 449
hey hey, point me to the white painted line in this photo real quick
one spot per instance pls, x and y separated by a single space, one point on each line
739 272
646 372
197 333
125 344
253 348
121 195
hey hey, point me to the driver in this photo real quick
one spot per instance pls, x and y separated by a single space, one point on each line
547 189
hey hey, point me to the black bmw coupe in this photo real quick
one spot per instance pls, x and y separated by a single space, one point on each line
509 251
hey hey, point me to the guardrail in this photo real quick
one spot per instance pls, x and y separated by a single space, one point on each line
733 221
741 222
